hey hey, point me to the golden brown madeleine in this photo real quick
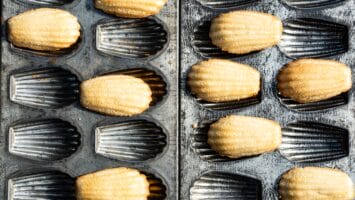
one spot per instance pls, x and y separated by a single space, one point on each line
131 8
117 183
118 95
218 80
239 136
315 183
44 29
242 32
312 80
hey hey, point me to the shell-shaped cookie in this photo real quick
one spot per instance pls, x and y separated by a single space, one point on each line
307 142
313 80
118 95
242 32
202 44
136 140
44 185
241 136
51 87
108 94
313 38
131 38
225 4
116 183
44 140
311 4
220 185
44 29
131 8
222 81
313 183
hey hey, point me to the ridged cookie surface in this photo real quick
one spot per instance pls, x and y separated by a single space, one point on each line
312 80
118 95
239 136
218 80
117 183
242 32
44 29
315 183
131 8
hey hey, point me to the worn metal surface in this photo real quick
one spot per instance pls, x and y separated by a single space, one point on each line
268 167
87 62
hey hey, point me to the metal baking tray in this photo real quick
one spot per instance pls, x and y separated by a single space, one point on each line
206 175
39 104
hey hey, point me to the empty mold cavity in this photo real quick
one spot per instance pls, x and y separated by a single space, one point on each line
202 44
225 4
155 81
339 100
312 4
47 2
45 186
202 148
307 142
220 185
131 38
313 38
52 87
44 140
135 140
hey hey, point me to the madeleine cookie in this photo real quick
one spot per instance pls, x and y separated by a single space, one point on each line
44 29
315 183
218 80
312 80
131 8
116 183
241 32
118 95
239 136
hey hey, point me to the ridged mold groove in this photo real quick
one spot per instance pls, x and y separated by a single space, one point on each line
307 142
134 140
44 140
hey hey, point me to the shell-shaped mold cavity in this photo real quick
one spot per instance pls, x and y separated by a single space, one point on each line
313 38
51 185
135 140
131 38
154 80
307 142
225 4
220 185
44 88
339 100
311 4
47 2
202 43
202 148
44 140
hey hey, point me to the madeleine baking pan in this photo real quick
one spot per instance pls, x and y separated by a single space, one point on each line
48 139
314 134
